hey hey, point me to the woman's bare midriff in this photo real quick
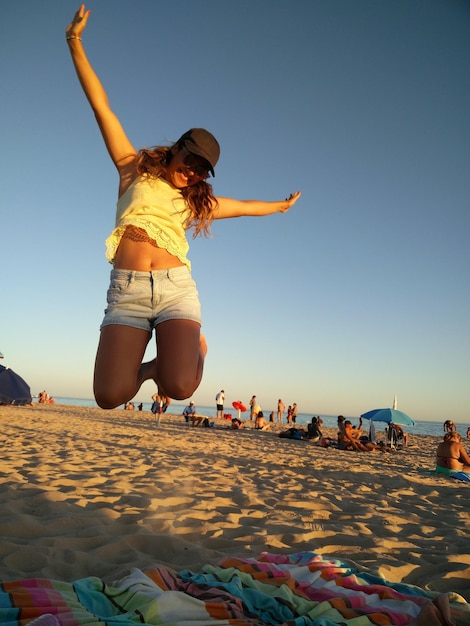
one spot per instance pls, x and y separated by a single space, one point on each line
143 256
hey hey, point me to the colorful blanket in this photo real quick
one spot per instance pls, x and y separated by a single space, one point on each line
291 590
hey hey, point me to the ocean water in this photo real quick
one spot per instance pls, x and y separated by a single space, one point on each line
329 421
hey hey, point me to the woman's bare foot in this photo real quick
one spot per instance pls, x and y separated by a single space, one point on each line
148 371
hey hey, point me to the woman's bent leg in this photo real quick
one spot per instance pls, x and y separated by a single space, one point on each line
118 374
181 350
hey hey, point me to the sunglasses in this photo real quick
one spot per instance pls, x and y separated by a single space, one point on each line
195 164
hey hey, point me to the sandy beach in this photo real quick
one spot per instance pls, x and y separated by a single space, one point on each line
88 492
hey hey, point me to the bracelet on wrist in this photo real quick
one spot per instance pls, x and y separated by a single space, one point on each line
73 37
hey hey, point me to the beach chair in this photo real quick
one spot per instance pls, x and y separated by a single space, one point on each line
395 440
399 441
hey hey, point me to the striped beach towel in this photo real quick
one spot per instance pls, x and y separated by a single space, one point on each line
301 589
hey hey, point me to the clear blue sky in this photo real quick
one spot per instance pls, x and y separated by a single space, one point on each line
360 292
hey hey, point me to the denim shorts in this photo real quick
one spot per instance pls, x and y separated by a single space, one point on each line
145 299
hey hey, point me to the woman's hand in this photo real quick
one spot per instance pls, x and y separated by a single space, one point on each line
76 27
290 201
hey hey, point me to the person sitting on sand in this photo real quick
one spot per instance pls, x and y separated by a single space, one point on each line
399 433
340 422
43 397
261 423
357 430
197 420
189 411
313 430
190 415
347 441
236 424
451 456
293 433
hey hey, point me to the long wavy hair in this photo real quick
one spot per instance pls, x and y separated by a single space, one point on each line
153 162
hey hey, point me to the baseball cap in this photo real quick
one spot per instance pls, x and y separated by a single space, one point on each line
201 142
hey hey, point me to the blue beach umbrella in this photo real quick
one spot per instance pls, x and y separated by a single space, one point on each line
13 389
389 416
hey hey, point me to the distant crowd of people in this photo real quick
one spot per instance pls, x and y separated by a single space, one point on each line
254 409
451 456
161 402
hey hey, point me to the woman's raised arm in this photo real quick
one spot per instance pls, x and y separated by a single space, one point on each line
120 149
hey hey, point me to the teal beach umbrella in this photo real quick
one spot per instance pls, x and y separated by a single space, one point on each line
389 416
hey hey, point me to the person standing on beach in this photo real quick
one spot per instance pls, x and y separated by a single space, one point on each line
295 411
166 403
157 404
219 402
252 407
163 192
281 407
449 426
261 423
256 408
289 414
